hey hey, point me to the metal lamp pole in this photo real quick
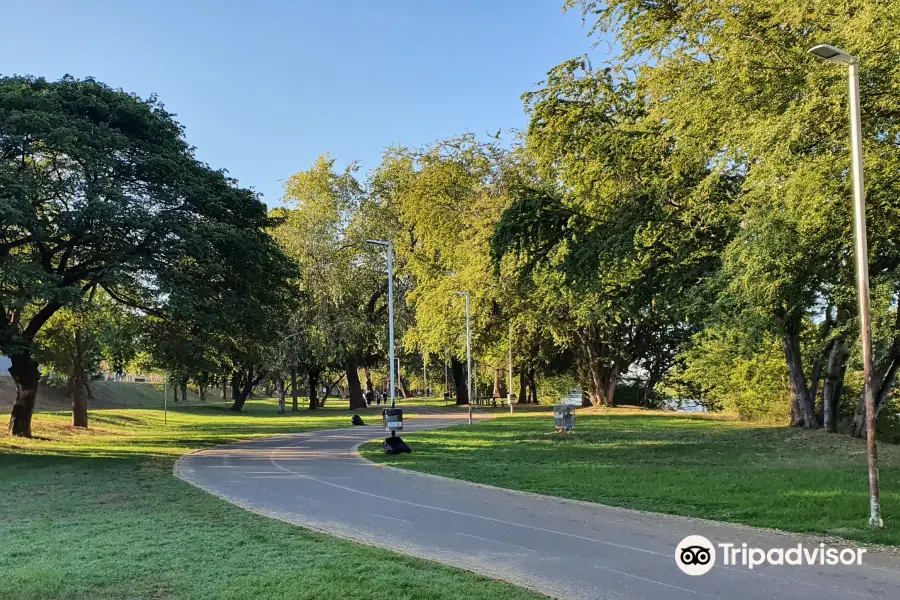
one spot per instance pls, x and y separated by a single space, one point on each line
838 56
509 384
468 353
390 276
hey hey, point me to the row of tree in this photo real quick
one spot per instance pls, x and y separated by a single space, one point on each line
679 218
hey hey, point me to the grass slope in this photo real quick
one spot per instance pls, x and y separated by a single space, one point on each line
697 466
106 394
97 515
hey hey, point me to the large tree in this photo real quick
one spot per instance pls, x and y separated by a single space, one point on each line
98 187
736 78
343 289
446 200
617 230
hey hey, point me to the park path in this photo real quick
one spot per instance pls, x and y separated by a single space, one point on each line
561 548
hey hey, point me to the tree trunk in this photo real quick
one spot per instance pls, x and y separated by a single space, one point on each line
597 393
237 394
532 387
184 389
523 387
369 387
357 400
175 392
584 381
279 387
497 392
653 377
882 382
294 392
25 374
609 384
241 384
313 378
462 392
816 376
327 389
402 385
833 386
803 412
370 390
202 390
224 388
79 402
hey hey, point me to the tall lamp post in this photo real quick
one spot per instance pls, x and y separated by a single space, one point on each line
509 394
468 354
390 276
840 57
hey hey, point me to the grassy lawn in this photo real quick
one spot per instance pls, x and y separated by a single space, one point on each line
98 515
687 465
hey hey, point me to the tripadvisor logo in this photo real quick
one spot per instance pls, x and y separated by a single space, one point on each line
696 555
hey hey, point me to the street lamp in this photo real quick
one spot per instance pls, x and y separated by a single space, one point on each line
425 375
468 354
840 57
509 383
390 276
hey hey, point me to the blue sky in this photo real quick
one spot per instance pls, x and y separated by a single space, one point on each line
263 87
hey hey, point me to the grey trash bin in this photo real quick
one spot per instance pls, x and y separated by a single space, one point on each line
392 419
564 417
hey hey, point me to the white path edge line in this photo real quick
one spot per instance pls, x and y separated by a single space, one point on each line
653 581
484 539
384 516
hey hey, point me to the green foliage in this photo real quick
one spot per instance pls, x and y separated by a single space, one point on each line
622 230
737 370
99 188
326 219
111 333
734 83
446 199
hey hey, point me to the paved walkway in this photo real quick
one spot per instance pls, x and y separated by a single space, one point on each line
560 548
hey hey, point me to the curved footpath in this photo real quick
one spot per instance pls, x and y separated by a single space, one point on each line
561 548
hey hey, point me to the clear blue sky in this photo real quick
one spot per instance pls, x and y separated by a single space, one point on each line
263 87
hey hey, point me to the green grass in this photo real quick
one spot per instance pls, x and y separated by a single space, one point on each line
697 466
97 515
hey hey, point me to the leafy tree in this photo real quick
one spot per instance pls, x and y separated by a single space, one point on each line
736 79
76 339
99 188
446 200
621 230
327 220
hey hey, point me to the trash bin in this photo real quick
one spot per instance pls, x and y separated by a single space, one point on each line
564 417
392 419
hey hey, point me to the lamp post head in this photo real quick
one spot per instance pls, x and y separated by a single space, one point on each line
461 293
378 242
832 54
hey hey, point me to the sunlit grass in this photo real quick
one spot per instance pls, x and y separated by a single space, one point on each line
98 515
713 467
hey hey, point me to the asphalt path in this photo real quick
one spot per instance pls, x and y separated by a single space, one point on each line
561 548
